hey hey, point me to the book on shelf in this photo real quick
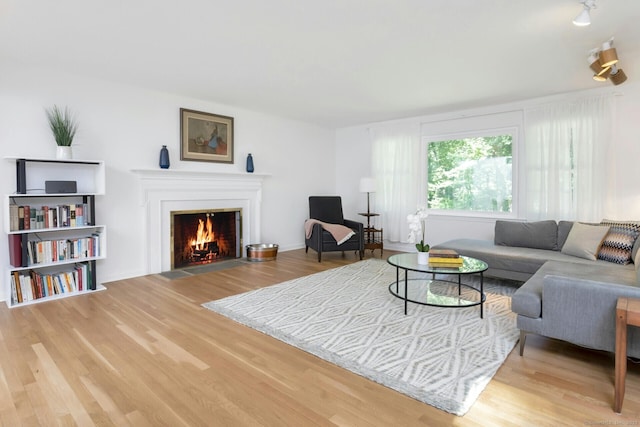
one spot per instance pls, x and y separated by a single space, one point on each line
444 253
14 222
15 286
27 218
20 217
15 250
91 274
79 216
33 224
72 215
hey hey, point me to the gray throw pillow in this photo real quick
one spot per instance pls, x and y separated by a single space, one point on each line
584 240
538 234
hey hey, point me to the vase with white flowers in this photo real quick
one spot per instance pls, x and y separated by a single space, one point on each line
417 227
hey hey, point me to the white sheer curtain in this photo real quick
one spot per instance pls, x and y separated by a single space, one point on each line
396 167
566 148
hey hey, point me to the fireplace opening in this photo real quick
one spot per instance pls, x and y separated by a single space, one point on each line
205 236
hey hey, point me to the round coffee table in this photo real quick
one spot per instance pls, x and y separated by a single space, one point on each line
437 292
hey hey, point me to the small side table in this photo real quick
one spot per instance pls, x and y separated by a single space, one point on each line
627 313
373 239
372 236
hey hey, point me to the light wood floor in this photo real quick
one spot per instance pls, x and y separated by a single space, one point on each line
145 353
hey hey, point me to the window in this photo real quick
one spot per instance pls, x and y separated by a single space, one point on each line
471 173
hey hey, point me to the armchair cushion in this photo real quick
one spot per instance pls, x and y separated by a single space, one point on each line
326 209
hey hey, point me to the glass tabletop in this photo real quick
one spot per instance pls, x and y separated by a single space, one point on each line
409 261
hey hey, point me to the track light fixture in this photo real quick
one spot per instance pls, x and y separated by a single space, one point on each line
608 54
603 62
617 76
584 18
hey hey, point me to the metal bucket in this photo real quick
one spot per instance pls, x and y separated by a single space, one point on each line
262 252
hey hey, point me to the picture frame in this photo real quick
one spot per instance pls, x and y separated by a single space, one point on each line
206 137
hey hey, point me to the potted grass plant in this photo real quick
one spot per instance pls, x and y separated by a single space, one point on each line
64 127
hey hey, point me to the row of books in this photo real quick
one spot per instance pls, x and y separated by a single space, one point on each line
48 251
446 258
32 285
25 217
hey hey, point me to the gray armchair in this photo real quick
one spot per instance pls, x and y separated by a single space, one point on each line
328 209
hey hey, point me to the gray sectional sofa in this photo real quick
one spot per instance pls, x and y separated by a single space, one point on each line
567 293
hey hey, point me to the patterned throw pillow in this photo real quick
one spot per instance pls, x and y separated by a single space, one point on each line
618 243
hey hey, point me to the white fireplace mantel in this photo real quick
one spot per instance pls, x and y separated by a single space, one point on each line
165 190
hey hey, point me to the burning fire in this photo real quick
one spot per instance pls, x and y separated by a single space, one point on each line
203 236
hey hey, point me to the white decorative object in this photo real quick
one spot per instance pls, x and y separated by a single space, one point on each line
423 258
64 152
417 228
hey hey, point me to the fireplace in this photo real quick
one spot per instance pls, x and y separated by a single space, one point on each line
202 237
163 191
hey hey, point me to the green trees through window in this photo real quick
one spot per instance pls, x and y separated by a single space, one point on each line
470 174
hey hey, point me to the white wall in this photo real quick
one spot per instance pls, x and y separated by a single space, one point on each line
126 127
624 194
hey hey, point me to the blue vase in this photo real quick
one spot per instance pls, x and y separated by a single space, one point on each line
164 157
250 163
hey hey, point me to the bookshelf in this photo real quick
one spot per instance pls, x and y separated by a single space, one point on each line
53 238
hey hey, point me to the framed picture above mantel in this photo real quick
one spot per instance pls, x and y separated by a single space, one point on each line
206 137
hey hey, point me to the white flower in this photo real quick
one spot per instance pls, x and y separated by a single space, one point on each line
417 225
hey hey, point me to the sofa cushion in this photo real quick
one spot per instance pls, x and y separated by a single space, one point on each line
537 235
564 227
617 246
584 240
527 300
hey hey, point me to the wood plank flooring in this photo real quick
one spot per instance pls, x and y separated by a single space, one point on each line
145 353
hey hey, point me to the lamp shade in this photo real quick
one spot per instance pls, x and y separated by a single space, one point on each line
583 19
618 78
594 64
608 57
367 185
603 75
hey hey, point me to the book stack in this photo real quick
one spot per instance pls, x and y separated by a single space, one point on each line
445 258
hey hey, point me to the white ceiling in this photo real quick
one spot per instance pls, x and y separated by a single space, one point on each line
333 62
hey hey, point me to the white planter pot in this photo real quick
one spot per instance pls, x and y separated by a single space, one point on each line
423 258
64 153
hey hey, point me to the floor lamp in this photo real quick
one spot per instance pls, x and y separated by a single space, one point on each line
368 185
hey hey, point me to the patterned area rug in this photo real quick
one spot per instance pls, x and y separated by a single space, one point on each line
444 357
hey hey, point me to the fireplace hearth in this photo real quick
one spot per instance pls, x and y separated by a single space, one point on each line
205 236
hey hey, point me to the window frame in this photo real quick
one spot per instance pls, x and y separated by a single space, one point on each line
514 131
